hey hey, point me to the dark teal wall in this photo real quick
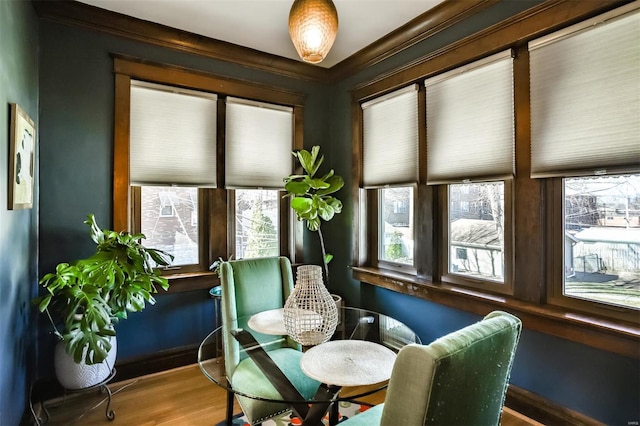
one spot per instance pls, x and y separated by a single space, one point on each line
77 89
18 228
76 134
597 383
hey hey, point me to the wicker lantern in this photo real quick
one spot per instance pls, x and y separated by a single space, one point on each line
310 313
313 25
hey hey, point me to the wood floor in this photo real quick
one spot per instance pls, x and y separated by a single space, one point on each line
183 396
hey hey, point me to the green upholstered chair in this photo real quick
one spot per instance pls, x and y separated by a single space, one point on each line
250 286
459 379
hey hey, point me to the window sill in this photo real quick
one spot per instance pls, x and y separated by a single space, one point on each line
191 281
610 335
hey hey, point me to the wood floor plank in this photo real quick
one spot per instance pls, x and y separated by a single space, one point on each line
182 396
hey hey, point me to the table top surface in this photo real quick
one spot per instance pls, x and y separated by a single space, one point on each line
360 354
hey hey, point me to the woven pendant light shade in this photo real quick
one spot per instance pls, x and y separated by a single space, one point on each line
313 25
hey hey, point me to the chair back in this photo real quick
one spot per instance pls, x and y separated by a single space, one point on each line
459 379
250 286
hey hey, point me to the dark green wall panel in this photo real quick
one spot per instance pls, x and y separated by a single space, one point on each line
18 228
77 86
76 133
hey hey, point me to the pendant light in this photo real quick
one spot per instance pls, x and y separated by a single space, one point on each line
313 25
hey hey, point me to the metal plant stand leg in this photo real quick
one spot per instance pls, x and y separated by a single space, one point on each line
108 411
102 388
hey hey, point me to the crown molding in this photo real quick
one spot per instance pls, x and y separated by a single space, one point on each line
441 17
93 18
546 17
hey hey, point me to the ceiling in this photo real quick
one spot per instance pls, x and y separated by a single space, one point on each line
263 24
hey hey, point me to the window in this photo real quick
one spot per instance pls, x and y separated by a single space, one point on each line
390 157
172 142
173 229
585 121
572 123
196 191
256 208
480 154
593 155
396 225
256 223
602 239
476 239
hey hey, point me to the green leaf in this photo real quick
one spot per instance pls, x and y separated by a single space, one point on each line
313 224
327 258
301 205
44 303
316 183
297 188
309 160
335 204
335 183
325 211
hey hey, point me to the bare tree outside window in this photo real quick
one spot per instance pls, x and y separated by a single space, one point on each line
256 223
602 239
476 230
396 225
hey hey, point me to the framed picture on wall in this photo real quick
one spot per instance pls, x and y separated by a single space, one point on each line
22 148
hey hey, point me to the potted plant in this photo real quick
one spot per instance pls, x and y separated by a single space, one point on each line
311 197
313 202
88 297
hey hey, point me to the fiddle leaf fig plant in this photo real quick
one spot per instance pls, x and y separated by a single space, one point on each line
311 196
89 296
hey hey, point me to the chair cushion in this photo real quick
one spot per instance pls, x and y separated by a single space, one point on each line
248 378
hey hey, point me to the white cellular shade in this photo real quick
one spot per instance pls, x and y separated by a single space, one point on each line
259 141
390 139
585 99
172 136
470 122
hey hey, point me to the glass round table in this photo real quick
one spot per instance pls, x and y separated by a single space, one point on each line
356 361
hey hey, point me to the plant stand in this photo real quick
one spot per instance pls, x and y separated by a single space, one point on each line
102 387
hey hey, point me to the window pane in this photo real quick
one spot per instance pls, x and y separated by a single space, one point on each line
396 225
256 223
169 220
602 239
476 230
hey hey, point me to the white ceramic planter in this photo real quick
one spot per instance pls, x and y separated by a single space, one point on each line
338 299
79 376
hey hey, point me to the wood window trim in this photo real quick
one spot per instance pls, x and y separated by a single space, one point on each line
555 255
506 287
530 223
135 210
213 203
373 212
606 334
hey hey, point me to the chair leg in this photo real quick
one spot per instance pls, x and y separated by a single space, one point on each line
334 413
229 408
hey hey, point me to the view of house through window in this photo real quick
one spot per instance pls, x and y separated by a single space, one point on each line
256 223
169 220
396 225
602 239
476 230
